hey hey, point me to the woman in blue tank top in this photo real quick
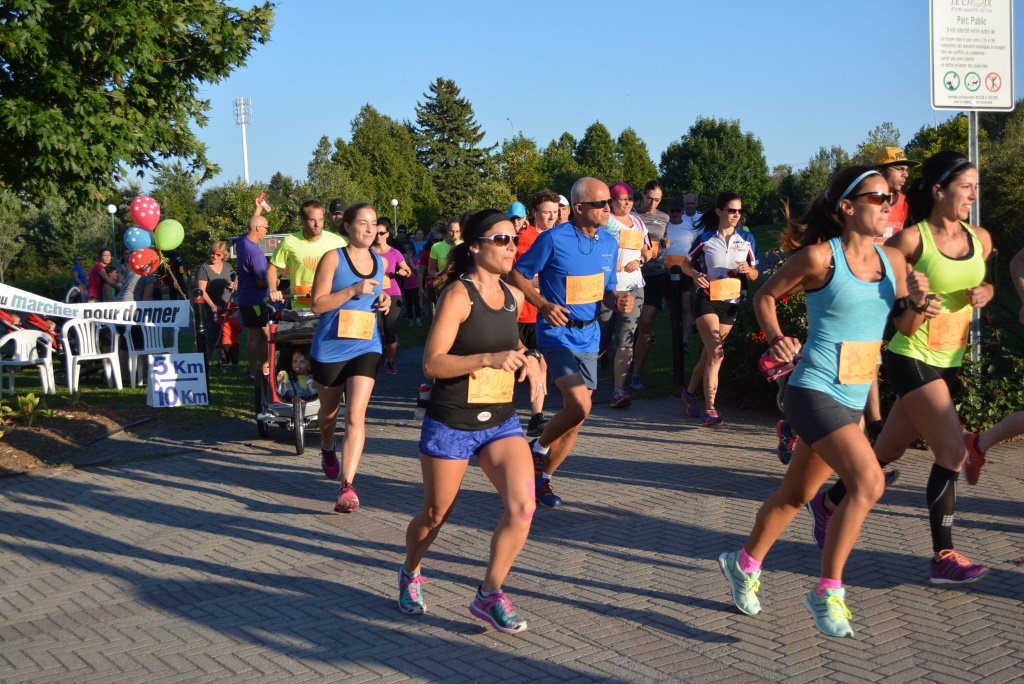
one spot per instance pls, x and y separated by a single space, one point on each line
346 346
474 355
851 287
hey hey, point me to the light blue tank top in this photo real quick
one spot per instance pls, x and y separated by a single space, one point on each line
845 310
328 347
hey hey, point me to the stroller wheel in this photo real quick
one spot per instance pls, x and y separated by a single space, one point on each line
300 426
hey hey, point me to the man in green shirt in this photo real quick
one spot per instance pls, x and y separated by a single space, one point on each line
299 253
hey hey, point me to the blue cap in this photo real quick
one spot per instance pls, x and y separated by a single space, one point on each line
516 210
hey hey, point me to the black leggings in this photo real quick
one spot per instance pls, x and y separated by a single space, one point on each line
390 322
412 302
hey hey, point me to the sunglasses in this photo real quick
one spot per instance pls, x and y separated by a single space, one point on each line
382 234
501 239
598 204
730 210
876 198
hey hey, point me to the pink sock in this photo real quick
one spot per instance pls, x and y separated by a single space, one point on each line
748 564
825 583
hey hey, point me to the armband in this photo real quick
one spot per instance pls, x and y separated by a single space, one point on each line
899 306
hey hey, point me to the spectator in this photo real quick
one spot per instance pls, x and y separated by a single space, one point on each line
216 279
79 278
99 278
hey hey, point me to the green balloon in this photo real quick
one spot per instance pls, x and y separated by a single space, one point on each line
168 234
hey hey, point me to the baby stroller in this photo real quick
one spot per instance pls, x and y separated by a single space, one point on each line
289 331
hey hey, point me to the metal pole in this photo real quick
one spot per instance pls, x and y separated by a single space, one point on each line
974 154
245 156
113 236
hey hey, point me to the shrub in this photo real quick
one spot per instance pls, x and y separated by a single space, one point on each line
52 286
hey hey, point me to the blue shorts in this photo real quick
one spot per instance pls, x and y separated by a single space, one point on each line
563 361
437 440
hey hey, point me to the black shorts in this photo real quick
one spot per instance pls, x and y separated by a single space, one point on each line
906 374
726 311
814 415
528 335
335 373
255 316
654 290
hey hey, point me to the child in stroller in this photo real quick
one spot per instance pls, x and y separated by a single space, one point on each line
299 382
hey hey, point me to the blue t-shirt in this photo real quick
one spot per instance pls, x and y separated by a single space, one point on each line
82 280
251 266
558 254
328 346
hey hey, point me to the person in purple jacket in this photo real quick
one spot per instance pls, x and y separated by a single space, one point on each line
251 267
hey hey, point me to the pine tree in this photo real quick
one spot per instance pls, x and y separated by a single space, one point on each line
447 144
596 156
634 159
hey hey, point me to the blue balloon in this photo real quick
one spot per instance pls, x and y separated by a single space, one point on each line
137 238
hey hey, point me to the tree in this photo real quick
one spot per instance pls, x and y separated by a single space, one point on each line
559 167
814 178
885 135
176 189
90 86
326 179
1002 190
634 160
716 156
596 154
447 144
949 135
520 166
11 242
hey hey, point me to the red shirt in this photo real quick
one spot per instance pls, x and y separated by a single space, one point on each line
526 238
897 217
232 333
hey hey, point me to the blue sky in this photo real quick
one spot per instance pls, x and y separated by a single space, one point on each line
798 74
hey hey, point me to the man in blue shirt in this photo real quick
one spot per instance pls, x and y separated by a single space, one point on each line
251 267
575 264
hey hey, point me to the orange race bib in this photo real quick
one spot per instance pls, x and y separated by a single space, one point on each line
631 239
724 289
490 386
387 282
858 362
356 325
948 331
674 260
584 289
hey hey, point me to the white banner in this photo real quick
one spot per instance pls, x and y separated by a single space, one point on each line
170 313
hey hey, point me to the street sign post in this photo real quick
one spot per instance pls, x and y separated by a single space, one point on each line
972 55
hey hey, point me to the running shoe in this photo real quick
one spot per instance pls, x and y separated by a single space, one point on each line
831 616
390 368
955 568
536 426
712 419
692 409
410 601
786 442
621 400
348 501
545 495
635 383
891 475
329 462
975 459
497 611
744 586
821 516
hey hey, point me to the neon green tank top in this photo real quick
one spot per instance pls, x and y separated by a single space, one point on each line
944 346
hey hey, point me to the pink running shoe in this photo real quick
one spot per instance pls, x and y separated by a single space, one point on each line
329 462
348 500
975 459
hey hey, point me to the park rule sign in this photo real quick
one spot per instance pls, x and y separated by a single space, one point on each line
972 55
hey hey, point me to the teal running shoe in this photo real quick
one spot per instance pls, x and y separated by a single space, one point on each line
831 616
744 586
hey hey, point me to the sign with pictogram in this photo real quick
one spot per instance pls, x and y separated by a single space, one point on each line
970 38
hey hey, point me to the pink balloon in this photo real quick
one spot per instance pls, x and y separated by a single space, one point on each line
144 261
145 212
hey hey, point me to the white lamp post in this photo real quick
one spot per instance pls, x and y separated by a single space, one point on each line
394 204
112 208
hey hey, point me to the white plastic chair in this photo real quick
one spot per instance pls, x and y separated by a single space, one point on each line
27 347
153 343
87 337
73 295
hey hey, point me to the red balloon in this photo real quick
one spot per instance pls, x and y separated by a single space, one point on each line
145 212
144 261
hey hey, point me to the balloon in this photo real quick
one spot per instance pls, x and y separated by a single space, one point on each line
144 261
168 234
145 212
137 238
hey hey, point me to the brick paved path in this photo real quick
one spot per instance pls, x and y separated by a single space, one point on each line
222 561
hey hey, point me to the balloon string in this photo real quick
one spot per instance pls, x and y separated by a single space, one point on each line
165 263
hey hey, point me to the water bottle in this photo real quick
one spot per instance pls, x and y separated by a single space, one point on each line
421 402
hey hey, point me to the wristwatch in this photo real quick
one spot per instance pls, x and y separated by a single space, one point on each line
535 353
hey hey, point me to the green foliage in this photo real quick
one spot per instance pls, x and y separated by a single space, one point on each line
447 145
1002 190
949 135
716 156
803 186
520 167
176 189
595 154
51 286
29 407
885 135
327 180
634 160
992 389
559 165
88 86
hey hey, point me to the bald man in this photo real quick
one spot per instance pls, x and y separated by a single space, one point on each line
575 265
251 267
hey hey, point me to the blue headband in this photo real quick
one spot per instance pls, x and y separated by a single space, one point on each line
949 172
854 184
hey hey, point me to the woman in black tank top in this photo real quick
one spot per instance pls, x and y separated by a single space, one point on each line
474 356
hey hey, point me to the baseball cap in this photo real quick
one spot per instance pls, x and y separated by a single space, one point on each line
676 204
562 201
337 206
890 156
516 210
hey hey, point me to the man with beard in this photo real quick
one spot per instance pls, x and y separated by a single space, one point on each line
299 253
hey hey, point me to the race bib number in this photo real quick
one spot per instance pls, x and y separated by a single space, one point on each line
584 289
490 386
858 362
356 325
631 239
724 289
948 331
674 260
387 281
